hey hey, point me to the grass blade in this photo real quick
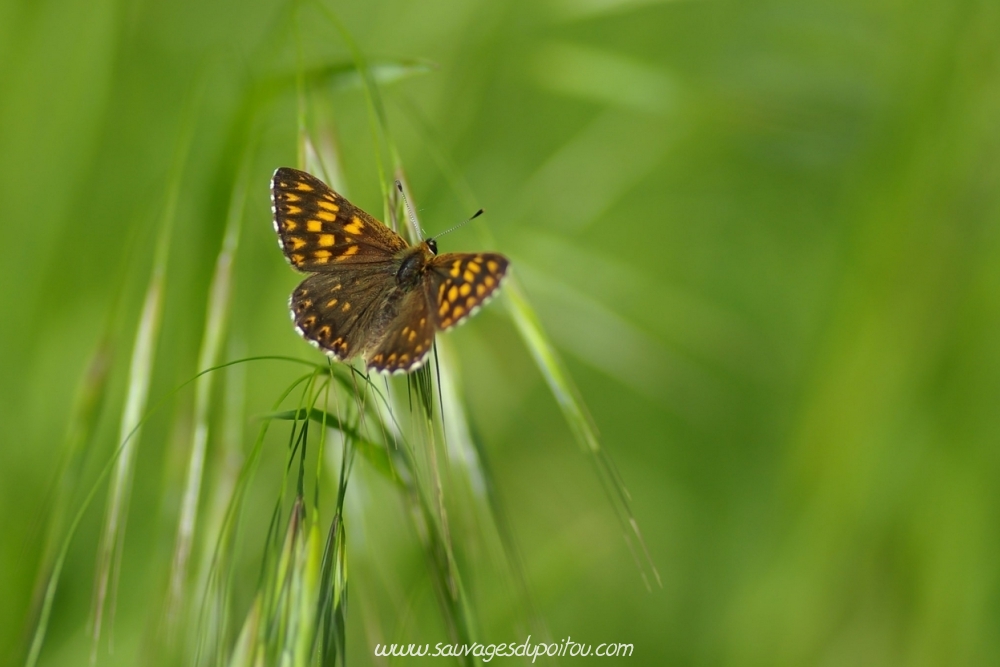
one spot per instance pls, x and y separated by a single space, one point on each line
576 415
140 374
216 318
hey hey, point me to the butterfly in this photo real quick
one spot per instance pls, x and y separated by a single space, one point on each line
369 293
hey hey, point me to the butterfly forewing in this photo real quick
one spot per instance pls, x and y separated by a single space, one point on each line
321 231
459 283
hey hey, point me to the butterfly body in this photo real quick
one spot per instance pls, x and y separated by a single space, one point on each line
369 292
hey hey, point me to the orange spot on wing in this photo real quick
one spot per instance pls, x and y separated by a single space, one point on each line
452 293
346 307
456 268
314 226
468 276
328 206
492 266
355 227
327 240
458 312
326 215
303 187
331 303
489 281
350 250
296 242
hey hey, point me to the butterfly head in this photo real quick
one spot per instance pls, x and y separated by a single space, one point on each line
432 245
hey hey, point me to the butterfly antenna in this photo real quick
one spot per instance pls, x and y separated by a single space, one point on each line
462 224
409 211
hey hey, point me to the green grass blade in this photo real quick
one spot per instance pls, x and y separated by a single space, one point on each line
576 415
216 318
140 375
90 397
376 110
41 627
246 651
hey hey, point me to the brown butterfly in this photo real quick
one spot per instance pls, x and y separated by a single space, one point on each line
369 293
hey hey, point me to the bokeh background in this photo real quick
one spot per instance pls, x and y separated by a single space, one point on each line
762 235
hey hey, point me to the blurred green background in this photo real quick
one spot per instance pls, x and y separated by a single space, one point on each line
763 235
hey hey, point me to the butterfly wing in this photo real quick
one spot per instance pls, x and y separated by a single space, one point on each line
408 338
458 284
320 231
334 311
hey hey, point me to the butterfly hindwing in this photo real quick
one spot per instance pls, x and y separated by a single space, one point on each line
320 230
458 284
333 310
408 337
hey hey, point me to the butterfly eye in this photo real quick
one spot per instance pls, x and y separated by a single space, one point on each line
433 245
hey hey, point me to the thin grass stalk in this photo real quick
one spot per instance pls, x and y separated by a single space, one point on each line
41 627
580 423
221 487
215 603
90 397
455 604
246 652
331 627
216 319
88 404
309 569
476 463
140 373
547 360
373 102
279 600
